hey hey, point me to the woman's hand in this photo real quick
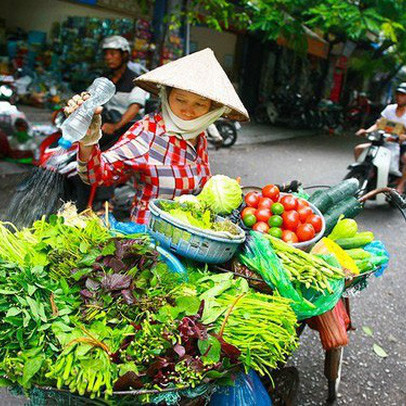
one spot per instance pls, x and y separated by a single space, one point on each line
402 138
93 134
361 133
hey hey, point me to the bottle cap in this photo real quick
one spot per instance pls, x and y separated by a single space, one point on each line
64 143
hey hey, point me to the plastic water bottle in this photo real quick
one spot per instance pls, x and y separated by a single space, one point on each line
74 128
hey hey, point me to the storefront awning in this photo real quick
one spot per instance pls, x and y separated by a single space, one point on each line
316 45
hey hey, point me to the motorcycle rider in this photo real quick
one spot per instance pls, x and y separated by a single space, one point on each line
120 113
397 113
128 103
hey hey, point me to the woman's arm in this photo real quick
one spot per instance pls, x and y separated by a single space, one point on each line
118 163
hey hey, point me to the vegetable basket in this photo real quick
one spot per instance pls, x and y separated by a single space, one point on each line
197 396
191 242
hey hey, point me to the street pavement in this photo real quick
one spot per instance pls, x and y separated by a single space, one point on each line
366 378
267 155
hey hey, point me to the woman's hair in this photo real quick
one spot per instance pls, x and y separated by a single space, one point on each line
214 105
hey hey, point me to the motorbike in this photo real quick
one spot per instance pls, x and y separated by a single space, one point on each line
293 110
378 165
224 134
19 139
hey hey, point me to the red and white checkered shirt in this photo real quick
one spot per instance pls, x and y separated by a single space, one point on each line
161 165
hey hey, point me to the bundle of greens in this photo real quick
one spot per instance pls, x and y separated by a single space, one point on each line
93 312
313 284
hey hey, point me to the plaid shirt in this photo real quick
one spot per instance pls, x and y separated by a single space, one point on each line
161 165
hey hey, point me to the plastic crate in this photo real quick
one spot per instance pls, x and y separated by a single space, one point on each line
190 242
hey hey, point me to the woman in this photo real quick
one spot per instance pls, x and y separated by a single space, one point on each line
165 152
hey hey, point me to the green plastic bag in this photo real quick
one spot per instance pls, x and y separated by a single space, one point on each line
260 257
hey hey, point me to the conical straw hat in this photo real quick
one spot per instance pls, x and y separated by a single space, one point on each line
199 73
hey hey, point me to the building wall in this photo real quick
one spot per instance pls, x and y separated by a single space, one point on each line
41 14
222 43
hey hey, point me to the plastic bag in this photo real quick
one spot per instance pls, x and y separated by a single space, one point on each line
259 256
248 390
378 248
126 228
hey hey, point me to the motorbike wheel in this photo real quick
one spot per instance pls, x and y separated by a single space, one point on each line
228 132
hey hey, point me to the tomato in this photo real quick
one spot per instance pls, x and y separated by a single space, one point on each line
271 191
265 203
261 226
290 220
305 232
248 210
249 220
263 214
252 199
315 221
289 236
304 213
275 232
275 221
277 208
302 203
289 202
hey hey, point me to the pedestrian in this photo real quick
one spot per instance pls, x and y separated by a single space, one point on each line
165 153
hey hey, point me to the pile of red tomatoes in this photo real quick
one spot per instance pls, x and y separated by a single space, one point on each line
282 215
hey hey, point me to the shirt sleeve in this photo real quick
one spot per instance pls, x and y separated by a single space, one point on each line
138 96
116 165
385 112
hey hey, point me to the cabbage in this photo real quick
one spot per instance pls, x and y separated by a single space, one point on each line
221 194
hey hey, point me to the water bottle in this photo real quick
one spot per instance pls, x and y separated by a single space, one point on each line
74 128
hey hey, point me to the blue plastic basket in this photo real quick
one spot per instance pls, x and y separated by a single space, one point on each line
190 242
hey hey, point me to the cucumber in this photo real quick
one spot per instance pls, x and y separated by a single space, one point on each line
344 189
359 241
326 199
358 253
321 200
349 207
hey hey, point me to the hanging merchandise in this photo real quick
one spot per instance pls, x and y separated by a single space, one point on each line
142 47
81 54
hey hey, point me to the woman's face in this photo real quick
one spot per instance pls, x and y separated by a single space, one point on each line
187 105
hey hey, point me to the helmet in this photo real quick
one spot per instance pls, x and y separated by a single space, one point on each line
401 88
116 42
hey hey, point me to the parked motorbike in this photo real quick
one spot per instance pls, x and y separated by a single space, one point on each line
224 134
378 165
291 109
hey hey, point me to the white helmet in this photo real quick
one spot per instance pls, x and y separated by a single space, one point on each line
116 42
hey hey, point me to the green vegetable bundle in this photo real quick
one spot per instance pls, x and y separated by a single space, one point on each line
262 327
313 285
90 312
304 268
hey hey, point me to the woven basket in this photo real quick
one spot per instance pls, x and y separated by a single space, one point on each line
191 242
